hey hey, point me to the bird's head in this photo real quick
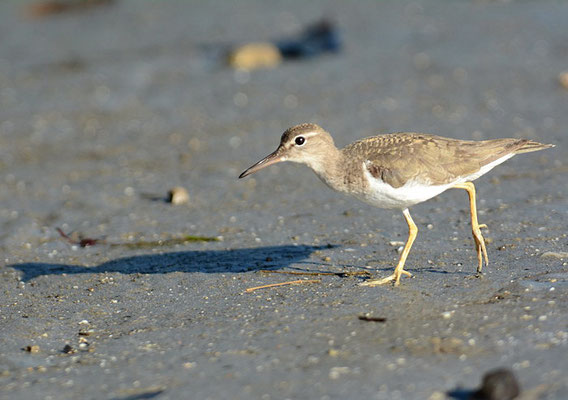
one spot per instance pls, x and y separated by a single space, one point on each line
306 144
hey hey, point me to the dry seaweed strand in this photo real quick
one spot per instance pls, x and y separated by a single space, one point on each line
77 239
341 274
42 9
81 241
369 318
252 289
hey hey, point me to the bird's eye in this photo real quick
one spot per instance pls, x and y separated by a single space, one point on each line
300 140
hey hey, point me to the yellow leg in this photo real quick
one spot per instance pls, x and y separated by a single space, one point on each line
399 270
475 226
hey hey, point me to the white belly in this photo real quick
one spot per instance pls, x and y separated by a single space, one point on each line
383 195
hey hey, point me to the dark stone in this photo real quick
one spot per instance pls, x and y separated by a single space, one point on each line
498 384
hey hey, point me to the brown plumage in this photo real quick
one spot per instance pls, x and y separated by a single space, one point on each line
397 158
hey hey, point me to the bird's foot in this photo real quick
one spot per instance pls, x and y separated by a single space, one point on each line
477 275
480 247
394 277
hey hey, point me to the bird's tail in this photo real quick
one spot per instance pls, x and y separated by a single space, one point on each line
532 146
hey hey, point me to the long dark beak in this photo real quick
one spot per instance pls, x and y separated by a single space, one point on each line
270 159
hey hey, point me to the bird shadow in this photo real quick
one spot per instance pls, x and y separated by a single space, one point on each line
142 396
207 261
461 394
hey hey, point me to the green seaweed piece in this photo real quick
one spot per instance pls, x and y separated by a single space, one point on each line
165 242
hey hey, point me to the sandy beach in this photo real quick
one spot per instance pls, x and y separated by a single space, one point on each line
104 109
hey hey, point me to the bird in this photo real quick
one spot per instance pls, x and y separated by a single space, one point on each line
397 171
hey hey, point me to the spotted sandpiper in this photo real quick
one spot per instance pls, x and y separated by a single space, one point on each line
397 171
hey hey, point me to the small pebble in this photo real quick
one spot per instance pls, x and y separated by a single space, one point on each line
563 79
83 346
255 55
32 349
447 314
337 372
68 349
178 195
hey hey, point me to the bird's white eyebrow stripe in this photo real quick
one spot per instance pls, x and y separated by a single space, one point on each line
307 134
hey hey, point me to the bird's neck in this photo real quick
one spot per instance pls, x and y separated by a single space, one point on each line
329 167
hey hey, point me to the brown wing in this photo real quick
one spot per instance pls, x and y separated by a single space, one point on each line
399 157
